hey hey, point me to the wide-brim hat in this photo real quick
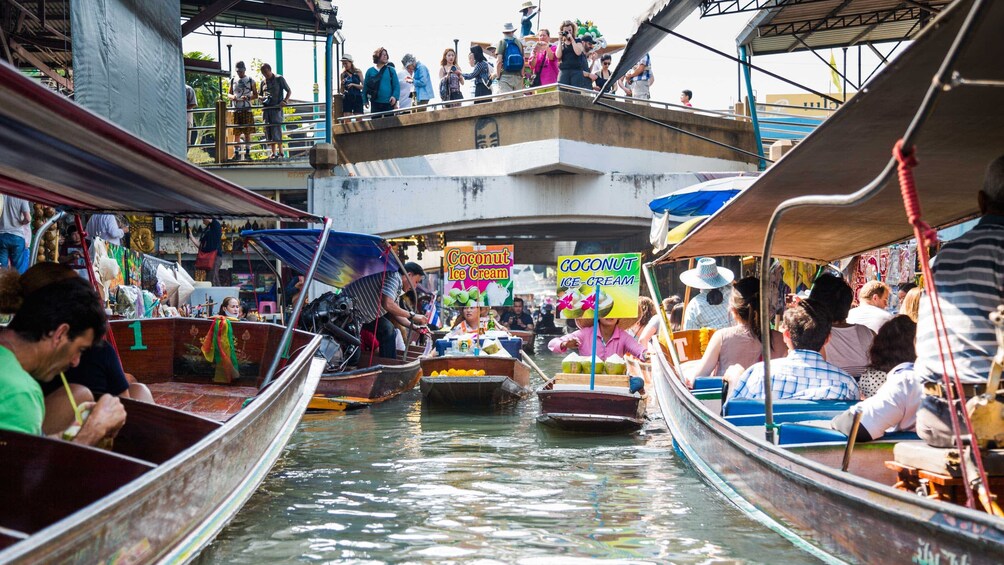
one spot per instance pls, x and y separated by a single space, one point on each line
707 275
347 57
508 28
526 6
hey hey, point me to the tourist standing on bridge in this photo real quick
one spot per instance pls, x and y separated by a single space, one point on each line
571 54
639 78
352 87
380 87
710 308
450 78
685 97
420 78
242 93
273 101
545 62
407 85
481 74
509 65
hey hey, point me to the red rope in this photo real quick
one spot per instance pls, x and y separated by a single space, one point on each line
926 236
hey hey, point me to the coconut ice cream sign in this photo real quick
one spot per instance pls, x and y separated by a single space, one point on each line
478 276
618 276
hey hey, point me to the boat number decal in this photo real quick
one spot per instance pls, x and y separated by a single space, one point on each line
928 555
137 336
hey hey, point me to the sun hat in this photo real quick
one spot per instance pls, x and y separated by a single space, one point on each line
347 57
527 6
707 275
508 28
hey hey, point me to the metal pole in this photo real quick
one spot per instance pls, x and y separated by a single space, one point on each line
278 52
456 43
328 94
596 334
752 101
219 57
287 334
41 230
230 59
845 74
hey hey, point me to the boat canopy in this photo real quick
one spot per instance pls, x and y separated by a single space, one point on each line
663 13
346 257
963 134
55 152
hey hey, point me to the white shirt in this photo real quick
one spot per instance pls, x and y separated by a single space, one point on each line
105 226
868 315
894 406
406 87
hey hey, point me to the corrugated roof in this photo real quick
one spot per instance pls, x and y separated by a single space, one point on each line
294 16
824 24
964 132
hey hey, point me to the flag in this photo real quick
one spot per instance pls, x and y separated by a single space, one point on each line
433 313
834 75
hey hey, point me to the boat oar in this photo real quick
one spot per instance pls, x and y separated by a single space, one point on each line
533 365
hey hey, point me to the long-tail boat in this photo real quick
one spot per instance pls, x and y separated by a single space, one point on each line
834 499
346 258
178 470
502 381
569 403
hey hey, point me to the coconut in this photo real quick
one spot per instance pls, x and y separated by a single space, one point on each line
571 364
615 365
587 364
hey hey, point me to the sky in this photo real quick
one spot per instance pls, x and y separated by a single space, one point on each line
409 27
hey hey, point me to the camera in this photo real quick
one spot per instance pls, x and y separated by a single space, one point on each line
564 33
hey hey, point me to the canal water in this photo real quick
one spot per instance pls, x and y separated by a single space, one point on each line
399 483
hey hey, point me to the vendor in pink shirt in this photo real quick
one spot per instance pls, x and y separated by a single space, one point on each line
612 340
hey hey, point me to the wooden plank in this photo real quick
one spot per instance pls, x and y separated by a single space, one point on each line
601 379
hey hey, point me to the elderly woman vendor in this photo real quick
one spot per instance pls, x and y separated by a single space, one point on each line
612 340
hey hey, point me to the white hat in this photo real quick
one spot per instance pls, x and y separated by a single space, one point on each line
707 275
347 57
508 28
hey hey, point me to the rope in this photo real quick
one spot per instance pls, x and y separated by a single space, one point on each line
926 236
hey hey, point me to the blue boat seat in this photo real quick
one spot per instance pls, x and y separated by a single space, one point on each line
707 383
742 420
796 433
737 406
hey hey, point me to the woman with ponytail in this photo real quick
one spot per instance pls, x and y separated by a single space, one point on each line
739 344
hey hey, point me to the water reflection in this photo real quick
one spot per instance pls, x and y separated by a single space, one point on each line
399 483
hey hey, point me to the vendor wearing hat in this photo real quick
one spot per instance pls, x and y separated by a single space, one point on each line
352 87
710 308
529 11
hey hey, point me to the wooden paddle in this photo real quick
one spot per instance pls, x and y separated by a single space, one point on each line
530 362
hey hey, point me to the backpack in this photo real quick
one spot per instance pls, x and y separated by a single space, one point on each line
512 61
372 83
449 84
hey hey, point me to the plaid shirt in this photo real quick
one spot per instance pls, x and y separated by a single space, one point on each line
802 375
700 314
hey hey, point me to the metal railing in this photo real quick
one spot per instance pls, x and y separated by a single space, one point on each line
213 139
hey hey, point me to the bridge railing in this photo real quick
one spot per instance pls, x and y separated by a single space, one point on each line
214 139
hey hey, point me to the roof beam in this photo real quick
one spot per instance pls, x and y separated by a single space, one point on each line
25 11
723 7
48 71
840 22
206 15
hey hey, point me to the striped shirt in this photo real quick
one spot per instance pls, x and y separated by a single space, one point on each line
700 314
482 72
365 293
969 274
647 73
802 375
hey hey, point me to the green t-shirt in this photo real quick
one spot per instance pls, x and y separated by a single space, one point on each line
22 406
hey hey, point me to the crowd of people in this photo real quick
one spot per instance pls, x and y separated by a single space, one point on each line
571 58
825 349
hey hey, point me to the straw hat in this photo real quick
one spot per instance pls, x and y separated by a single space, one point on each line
707 275
526 6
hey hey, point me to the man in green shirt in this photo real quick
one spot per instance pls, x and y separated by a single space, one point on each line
59 316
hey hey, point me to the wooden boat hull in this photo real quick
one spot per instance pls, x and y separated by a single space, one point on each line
506 381
169 513
591 410
364 386
816 506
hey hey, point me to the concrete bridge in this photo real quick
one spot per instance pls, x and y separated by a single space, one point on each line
550 167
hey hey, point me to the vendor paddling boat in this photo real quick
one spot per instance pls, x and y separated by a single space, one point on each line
352 378
811 484
474 381
180 470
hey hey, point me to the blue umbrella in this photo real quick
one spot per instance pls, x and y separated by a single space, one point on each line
701 199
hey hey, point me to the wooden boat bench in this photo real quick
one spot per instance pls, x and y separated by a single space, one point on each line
916 464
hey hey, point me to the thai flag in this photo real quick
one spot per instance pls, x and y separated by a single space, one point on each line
433 314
